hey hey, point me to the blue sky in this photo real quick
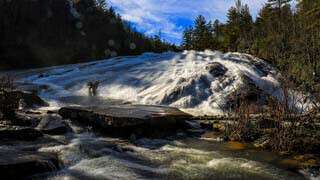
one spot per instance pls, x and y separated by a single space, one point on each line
172 16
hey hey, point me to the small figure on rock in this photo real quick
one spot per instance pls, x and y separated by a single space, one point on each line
93 87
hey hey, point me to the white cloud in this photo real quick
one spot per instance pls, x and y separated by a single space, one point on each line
154 15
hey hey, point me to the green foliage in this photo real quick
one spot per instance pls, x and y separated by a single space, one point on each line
46 32
289 39
198 38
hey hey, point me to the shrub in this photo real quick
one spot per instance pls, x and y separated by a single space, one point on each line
243 129
295 131
287 128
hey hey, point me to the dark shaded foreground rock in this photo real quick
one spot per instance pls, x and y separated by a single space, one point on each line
15 164
128 119
23 118
19 133
29 99
53 125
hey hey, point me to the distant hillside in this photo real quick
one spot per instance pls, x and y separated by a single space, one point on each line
38 33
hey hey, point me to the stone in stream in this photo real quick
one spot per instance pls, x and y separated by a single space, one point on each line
16 164
19 133
128 119
53 124
216 69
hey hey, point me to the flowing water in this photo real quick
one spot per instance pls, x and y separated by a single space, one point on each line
90 156
197 82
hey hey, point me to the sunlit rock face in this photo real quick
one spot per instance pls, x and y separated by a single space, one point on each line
200 83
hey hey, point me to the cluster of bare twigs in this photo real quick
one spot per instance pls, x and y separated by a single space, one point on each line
289 129
242 129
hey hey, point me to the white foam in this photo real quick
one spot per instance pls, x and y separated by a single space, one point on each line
181 80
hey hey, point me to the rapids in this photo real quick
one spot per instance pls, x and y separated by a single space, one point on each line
198 82
89 156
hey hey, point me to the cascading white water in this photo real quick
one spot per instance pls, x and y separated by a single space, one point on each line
198 82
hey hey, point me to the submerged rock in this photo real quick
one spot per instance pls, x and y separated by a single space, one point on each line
15 164
127 118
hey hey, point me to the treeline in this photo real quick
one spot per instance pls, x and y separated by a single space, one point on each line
287 37
51 32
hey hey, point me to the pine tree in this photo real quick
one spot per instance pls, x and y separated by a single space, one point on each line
201 34
187 38
232 29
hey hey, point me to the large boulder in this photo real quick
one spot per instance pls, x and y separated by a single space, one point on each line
125 118
16 164
53 124
14 97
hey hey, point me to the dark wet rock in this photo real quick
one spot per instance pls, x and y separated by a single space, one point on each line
208 126
52 112
127 118
15 164
248 93
33 112
29 99
216 69
22 118
187 89
19 133
53 124
196 132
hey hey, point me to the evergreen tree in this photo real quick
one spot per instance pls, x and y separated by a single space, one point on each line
187 38
201 34
46 32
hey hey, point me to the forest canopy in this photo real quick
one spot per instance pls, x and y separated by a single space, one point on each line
37 33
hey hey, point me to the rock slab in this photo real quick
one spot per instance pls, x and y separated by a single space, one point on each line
127 116
19 133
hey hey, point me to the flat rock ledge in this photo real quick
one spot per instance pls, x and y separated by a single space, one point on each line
19 133
138 119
